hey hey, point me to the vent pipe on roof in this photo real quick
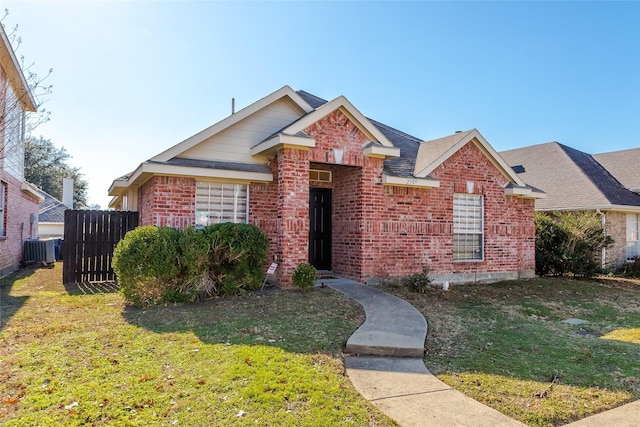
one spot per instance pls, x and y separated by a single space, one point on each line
458 131
233 105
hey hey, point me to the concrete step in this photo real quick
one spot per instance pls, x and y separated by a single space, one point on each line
393 327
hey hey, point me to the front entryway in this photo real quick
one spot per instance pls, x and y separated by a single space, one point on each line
320 228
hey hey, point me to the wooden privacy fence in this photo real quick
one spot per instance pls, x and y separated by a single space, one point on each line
89 240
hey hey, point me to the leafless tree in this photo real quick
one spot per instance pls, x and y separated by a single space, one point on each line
22 95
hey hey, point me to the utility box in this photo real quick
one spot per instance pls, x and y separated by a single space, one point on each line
36 250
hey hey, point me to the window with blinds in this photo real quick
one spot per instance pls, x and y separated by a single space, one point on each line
633 238
468 227
217 202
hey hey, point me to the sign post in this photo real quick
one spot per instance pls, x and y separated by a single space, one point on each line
270 272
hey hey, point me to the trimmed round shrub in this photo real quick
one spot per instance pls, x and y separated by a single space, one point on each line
237 256
146 264
304 276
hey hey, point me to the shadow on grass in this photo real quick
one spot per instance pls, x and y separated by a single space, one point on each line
91 288
317 321
9 305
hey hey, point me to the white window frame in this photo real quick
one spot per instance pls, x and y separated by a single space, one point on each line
213 200
3 208
468 227
633 235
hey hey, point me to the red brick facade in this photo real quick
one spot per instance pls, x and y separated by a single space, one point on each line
19 207
616 227
378 231
167 201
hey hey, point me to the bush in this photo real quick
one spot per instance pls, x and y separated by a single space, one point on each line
551 253
304 276
146 264
161 264
569 242
238 253
419 282
632 268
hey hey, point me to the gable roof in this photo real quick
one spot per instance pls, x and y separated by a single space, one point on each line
407 159
18 82
624 165
401 165
283 92
572 179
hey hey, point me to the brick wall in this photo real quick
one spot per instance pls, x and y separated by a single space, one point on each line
378 231
413 228
167 201
19 206
292 240
616 227
263 212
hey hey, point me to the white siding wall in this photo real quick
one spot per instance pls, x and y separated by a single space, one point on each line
233 144
13 136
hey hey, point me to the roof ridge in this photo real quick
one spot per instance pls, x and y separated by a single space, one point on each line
317 98
600 184
394 130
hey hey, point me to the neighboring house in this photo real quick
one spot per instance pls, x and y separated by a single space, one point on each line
51 217
18 199
350 195
577 181
624 165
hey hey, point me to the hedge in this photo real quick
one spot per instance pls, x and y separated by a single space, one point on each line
157 265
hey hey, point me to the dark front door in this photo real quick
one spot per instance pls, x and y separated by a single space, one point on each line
320 224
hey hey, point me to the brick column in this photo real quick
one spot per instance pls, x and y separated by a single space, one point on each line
293 211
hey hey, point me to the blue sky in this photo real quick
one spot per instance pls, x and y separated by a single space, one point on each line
134 78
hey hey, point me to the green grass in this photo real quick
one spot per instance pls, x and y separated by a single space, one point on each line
505 345
74 358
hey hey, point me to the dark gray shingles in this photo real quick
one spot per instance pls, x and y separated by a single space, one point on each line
213 164
624 165
312 100
51 209
610 187
572 179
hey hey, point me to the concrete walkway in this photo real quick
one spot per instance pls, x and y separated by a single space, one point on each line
385 365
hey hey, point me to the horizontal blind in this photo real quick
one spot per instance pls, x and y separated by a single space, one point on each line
218 202
468 225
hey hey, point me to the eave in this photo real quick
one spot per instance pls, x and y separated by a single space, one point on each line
524 192
147 170
30 189
381 151
601 208
270 146
15 75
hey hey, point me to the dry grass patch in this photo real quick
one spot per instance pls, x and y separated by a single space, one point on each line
506 346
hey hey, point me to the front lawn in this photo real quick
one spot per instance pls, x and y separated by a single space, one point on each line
506 346
80 356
